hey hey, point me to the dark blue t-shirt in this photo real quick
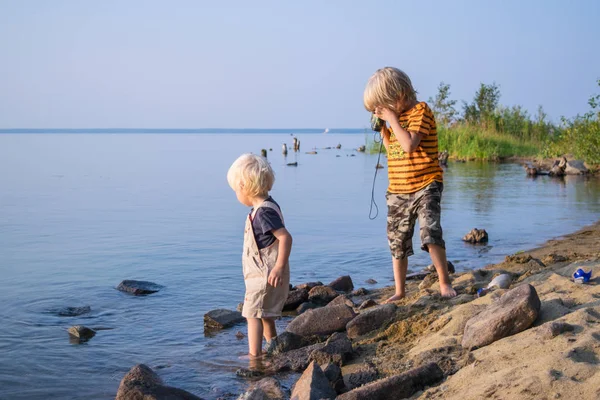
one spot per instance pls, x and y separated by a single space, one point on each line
265 221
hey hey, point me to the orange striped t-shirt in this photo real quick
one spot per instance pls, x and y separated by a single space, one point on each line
411 172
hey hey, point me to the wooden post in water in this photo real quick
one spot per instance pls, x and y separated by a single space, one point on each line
284 149
263 153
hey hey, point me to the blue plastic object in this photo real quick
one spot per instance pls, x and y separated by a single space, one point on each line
580 276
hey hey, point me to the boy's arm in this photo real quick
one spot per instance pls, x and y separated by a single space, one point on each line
285 247
409 141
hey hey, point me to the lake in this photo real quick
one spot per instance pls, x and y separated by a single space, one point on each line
81 212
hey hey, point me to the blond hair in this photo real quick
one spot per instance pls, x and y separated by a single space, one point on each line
252 172
386 87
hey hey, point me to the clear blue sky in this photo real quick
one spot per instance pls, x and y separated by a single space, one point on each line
281 64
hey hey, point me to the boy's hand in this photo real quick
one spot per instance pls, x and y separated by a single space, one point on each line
385 114
275 277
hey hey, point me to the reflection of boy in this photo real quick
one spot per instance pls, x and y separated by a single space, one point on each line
267 246
415 177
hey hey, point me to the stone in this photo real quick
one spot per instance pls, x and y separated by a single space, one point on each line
342 284
322 321
286 341
360 292
309 285
81 333
552 329
416 276
221 319
576 167
322 294
266 389
371 319
306 306
361 148
367 304
398 386
361 375
249 373
476 236
143 383
371 281
341 299
313 385
333 372
73 311
240 335
138 288
337 350
295 298
295 360
449 265
428 281
514 312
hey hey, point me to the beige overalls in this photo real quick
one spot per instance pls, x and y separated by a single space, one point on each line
262 300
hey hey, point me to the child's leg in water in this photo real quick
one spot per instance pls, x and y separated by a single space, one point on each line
269 330
255 336
400 266
438 256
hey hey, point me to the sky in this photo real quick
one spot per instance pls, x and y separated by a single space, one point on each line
281 64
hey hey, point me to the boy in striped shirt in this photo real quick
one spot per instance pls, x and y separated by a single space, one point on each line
415 176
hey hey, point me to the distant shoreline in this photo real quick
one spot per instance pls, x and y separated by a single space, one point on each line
181 131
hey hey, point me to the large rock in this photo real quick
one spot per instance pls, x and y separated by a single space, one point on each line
322 294
312 385
141 383
341 299
516 311
266 389
306 306
398 386
371 319
295 360
333 372
576 167
221 318
342 284
81 333
337 349
286 341
360 375
476 236
295 298
138 288
322 321
309 285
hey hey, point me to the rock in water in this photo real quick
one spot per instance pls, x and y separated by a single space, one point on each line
286 341
73 311
82 333
313 385
266 389
138 288
295 298
309 285
322 321
398 386
516 310
371 319
576 167
221 318
143 383
476 236
342 284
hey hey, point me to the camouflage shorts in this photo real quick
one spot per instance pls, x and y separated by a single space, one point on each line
403 211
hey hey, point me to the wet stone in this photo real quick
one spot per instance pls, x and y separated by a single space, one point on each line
138 288
73 311
342 284
221 319
81 333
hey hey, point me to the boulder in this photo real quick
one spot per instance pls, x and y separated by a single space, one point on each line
138 288
143 383
371 319
576 167
333 372
309 285
359 376
322 321
73 311
341 299
398 386
342 284
360 292
81 333
514 312
266 389
295 298
476 236
286 341
337 349
306 306
221 319
313 385
295 360
371 281
322 294
367 304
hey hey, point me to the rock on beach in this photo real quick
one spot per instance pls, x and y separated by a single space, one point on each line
322 321
143 383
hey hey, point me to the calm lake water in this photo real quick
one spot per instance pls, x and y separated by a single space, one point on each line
80 213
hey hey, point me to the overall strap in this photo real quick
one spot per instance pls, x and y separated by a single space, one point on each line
273 206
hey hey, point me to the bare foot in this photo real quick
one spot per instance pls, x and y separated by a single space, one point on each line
447 291
395 297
